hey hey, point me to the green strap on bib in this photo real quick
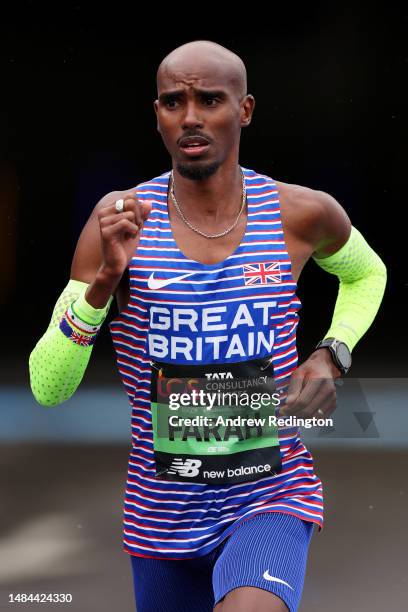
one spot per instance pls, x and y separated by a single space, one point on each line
362 276
57 364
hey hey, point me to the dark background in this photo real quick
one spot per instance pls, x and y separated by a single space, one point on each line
77 122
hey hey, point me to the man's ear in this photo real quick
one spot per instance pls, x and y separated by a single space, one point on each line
156 107
247 109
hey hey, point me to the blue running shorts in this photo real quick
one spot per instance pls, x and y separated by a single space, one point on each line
268 551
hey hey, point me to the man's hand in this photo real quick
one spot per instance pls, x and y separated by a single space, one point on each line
312 392
106 245
120 233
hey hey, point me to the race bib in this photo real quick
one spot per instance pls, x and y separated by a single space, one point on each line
214 423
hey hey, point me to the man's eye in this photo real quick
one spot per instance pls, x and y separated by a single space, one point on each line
211 101
171 103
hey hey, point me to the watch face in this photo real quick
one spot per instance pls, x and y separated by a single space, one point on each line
343 355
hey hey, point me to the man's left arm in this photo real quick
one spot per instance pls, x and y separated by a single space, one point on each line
362 279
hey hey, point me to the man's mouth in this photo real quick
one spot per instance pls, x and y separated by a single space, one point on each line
194 145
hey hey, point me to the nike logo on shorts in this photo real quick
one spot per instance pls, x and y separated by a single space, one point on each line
267 576
160 283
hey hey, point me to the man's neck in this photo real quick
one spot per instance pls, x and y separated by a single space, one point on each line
215 198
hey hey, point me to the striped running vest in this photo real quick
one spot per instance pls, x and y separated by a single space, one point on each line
186 314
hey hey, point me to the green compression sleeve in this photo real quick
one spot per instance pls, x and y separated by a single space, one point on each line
57 364
362 276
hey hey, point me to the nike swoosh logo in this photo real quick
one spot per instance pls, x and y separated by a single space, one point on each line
159 283
267 576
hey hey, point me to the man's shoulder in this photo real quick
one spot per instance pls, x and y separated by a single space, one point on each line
304 200
311 214
307 207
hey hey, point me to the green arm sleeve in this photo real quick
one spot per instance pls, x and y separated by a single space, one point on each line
57 364
362 276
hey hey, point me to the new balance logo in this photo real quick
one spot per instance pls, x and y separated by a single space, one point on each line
188 468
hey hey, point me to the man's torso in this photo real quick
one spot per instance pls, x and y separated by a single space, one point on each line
300 241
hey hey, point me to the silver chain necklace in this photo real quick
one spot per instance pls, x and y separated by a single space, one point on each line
195 229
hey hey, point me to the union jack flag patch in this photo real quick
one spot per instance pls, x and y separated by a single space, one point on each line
262 273
80 339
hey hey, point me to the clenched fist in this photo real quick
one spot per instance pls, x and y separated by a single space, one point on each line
120 232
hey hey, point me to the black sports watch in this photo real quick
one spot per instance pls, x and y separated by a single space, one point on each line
339 351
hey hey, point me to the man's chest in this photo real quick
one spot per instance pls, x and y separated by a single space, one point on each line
212 251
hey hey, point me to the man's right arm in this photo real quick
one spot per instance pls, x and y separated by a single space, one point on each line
107 242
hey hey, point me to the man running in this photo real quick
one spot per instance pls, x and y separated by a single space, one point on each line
204 261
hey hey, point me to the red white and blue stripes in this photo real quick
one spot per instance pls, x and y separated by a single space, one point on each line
178 520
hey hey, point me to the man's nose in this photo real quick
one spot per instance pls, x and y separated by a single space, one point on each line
192 117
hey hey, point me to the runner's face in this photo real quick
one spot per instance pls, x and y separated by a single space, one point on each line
200 115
